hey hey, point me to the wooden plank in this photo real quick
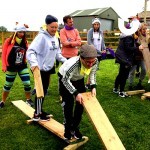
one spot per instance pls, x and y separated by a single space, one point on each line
38 83
135 92
52 125
147 94
101 123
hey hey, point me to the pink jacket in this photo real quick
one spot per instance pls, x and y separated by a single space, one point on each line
70 40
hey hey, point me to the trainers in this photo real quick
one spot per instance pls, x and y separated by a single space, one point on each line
30 102
88 86
115 90
1 104
123 94
44 117
77 134
33 92
36 117
46 114
67 135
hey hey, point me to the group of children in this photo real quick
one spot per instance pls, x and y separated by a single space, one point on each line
43 52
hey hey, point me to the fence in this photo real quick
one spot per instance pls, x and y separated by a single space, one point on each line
110 37
30 36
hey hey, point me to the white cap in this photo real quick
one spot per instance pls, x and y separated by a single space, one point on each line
96 20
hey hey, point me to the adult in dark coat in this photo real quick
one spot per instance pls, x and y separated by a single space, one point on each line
125 55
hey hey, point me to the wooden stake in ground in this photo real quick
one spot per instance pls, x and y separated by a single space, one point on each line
101 123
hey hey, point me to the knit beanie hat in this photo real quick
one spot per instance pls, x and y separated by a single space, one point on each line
96 20
49 19
20 27
88 51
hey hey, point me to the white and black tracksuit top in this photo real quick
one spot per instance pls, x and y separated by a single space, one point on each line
70 71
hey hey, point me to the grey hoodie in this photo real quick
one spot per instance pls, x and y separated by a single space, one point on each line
90 40
43 51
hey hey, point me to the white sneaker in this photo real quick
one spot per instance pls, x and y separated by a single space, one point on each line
123 94
115 90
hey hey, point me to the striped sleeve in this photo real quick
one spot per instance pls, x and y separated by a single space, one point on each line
68 75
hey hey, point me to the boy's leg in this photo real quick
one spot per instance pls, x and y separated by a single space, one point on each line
78 111
67 106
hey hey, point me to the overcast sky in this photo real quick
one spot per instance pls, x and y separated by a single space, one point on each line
33 12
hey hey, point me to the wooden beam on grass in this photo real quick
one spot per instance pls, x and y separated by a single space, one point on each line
101 123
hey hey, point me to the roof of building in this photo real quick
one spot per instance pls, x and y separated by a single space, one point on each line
89 12
142 14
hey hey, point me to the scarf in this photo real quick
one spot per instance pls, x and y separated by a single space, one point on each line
18 40
68 28
84 71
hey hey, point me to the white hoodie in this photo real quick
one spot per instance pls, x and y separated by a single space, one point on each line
43 51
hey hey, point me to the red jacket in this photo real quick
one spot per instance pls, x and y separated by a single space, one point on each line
6 49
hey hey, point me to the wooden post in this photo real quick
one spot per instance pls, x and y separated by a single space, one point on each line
2 38
145 9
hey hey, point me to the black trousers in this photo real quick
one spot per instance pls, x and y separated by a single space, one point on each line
45 76
122 77
72 114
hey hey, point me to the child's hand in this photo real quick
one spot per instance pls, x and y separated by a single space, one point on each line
141 47
79 98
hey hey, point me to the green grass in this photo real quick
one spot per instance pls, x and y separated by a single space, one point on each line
129 117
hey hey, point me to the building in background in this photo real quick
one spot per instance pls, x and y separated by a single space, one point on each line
83 18
141 16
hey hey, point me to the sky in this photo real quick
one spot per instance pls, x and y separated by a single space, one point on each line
33 12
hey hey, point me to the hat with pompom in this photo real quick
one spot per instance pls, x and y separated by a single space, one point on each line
96 20
20 27
128 26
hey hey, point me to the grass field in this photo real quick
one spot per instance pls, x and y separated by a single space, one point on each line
129 116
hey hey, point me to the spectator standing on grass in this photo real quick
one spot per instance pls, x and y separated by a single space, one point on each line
71 83
143 38
125 55
14 62
69 38
42 53
95 37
